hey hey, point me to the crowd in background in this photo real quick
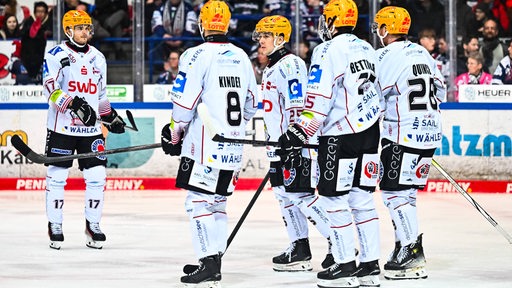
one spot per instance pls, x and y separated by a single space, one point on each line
481 26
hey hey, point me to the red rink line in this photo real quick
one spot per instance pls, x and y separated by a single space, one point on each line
251 184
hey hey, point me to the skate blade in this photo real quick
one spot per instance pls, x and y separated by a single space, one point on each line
369 281
298 266
412 273
206 284
345 282
55 244
93 244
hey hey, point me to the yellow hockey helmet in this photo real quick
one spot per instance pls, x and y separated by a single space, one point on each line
275 24
396 19
215 16
73 18
339 13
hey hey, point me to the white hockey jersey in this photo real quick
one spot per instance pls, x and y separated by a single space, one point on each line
283 88
412 89
221 76
342 97
76 74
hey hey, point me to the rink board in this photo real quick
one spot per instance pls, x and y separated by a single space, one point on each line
476 148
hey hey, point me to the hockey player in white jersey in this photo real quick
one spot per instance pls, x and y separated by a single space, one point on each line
342 105
220 75
283 89
74 81
412 89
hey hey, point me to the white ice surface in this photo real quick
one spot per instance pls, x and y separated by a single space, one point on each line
148 242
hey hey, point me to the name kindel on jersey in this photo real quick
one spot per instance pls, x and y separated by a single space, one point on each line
229 82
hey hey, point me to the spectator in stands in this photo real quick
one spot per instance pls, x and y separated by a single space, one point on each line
277 7
18 71
99 31
305 52
11 7
248 11
259 61
503 73
311 12
481 13
174 18
475 74
426 14
427 39
10 28
113 16
442 58
491 47
34 32
469 44
149 9
464 17
361 29
499 11
170 67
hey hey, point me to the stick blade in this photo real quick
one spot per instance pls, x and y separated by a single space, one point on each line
131 120
204 115
18 143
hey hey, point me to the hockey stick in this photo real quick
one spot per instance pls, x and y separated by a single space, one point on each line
213 132
43 159
130 119
472 201
248 209
189 268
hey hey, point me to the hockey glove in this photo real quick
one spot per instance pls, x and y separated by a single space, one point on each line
114 122
83 111
290 144
171 142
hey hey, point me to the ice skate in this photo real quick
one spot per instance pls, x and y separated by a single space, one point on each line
393 255
368 274
410 263
296 258
56 235
207 274
329 259
338 275
95 237
189 268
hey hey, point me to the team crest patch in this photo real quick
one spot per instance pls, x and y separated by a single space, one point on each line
370 170
289 176
422 171
98 146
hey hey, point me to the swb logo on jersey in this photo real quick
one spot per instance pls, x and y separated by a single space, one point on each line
88 87
179 82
